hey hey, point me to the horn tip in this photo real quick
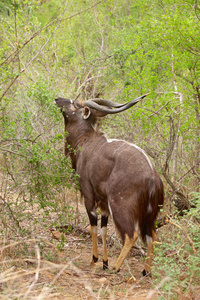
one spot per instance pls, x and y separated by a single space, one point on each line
145 95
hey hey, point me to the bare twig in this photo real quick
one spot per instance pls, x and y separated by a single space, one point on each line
15 53
32 37
190 240
37 250
196 8
16 35
153 292
156 112
11 212
181 204
10 151
180 178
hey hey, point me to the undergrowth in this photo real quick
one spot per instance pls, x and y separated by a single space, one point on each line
177 256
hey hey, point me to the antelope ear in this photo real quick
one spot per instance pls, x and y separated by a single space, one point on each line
86 112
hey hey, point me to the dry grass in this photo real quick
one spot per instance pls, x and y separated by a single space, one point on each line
69 276
50 264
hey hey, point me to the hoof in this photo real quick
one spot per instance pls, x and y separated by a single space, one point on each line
105 264
94 260
146 274
115 271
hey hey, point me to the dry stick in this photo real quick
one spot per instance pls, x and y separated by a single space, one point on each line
156 112
184 200
100 30
21 273
180 178
132 276
83 85
27 241
34 35
152 292
16 35
86 282
176 252
37 250
194 170
28 64
11 212
190 240
30 260
10 85
46 289
196 8
13 152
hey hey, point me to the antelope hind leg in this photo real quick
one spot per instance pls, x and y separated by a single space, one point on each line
129 242
150 249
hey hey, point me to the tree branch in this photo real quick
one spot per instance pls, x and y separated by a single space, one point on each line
16 52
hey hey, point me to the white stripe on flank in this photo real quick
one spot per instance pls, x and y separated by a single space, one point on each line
111 140
133 145
143 152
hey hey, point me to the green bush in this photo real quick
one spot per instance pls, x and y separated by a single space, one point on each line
177 256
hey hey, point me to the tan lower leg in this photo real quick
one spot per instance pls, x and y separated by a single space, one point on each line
126 249
104 235
150 250
93 231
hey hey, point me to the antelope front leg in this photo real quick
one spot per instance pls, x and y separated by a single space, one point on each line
93 217
93 231
104 222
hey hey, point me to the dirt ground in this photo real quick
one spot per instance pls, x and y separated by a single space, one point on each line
55 263
84 281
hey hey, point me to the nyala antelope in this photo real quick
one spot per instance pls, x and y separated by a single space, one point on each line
114 175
